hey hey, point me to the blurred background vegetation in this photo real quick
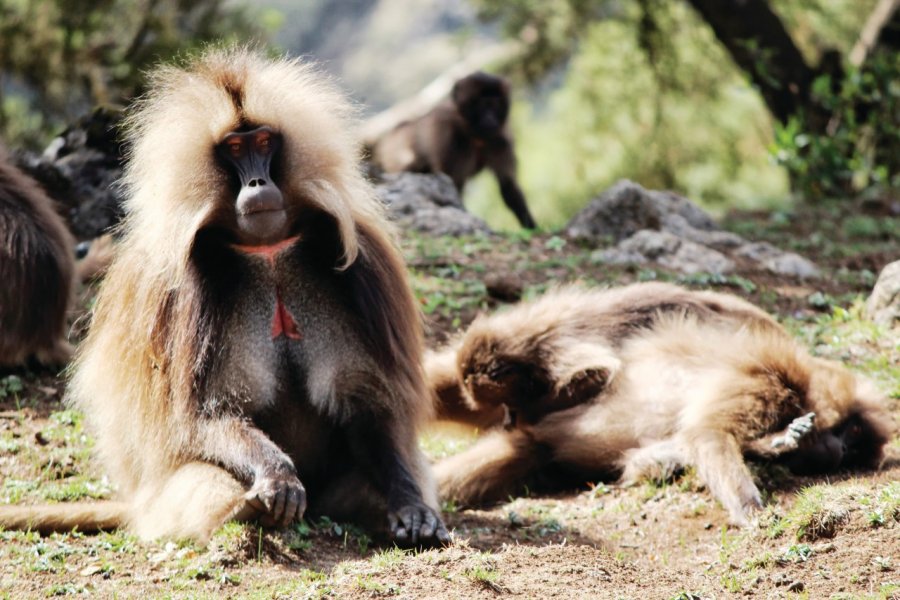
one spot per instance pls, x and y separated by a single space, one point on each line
751 104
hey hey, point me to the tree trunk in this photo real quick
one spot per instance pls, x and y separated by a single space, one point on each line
758 42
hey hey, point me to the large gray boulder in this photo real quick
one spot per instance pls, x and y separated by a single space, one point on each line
670 230
883 305
427 203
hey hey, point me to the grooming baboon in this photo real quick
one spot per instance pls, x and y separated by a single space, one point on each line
255 350
459 137
94 257
36 269
641 381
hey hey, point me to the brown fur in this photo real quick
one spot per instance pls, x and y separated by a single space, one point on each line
196 418
36 271
97 260
641 381
460 137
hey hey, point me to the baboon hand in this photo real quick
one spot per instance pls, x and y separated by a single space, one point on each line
280 499
798 429
416 524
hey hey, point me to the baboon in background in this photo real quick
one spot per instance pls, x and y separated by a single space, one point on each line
255 350
640 381
459 137
36 273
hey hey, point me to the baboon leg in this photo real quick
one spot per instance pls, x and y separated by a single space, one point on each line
659 461
720 465
191 503
497 466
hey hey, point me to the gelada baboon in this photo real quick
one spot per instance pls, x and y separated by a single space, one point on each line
36 273
255 350
640 381
459 137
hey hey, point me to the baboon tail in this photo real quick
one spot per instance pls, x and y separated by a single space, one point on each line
87 517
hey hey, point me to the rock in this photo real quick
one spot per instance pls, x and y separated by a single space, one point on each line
80 168
627 208
883 305
670 230
778 261
427 203
668 250
505 287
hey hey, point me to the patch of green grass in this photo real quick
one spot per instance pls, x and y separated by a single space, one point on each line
484 572
820 510
304 583
706 280
10 386
390 557
441 443
796 554
375 588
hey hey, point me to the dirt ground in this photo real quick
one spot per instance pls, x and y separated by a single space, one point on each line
822 537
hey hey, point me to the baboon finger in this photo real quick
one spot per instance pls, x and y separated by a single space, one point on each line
279 500
415 525
295 504
429 523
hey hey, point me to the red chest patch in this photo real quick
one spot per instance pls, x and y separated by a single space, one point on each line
283 323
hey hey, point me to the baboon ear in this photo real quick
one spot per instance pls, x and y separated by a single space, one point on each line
584 385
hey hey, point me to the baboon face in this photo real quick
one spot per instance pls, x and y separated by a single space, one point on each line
854 443
483 101
494 377
250 156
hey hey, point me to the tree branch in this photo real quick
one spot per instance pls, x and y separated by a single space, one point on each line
760 45
884 15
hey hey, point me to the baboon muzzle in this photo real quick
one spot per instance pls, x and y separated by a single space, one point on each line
259 205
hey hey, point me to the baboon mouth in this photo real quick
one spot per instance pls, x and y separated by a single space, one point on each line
263 226
260 210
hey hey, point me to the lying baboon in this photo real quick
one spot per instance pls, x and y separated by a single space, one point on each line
640 381
36 273
255 350
460 137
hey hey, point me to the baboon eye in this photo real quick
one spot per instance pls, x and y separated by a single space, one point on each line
234 147
498 371
263 143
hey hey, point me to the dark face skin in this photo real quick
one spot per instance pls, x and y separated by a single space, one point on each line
259 206
483 101
851 444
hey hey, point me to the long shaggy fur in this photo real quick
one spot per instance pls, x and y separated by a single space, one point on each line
157 330
36 271
686 378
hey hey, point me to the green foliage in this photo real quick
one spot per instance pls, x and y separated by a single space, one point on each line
678 115
59 58
858 148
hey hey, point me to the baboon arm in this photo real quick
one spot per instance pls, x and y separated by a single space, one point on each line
498 466
503 164
243 449
784 441
375 442
720 464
